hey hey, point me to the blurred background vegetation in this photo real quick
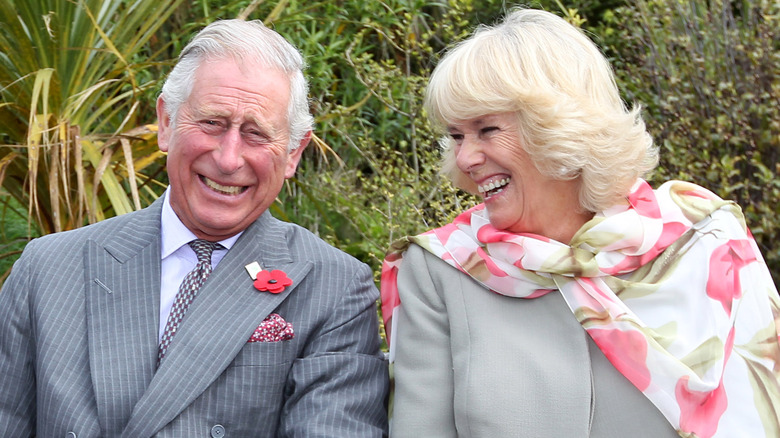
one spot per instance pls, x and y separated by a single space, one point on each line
79 78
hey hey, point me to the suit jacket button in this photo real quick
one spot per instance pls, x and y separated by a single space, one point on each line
218 431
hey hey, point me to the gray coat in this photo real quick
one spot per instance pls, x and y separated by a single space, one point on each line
79 320
473 363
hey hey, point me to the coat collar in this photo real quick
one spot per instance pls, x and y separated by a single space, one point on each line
122 300
217 325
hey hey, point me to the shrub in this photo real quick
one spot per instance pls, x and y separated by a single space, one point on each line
708 76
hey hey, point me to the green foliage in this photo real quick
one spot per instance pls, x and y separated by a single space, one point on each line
368 67
72 79
706 72
708 75
69 94
369 64
14 234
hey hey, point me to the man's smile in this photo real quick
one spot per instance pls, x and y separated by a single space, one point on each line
225 190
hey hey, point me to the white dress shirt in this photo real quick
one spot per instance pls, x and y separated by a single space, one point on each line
178 258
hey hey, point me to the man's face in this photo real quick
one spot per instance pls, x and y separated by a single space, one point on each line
227 151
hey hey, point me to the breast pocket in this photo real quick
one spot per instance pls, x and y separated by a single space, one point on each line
265 354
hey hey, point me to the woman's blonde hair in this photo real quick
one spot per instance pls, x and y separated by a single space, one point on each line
572 120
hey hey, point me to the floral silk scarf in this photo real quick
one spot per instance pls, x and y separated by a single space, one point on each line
671 287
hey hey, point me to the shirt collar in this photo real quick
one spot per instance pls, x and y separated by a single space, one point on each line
174 234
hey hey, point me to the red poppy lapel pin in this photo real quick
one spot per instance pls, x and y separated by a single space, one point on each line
273 281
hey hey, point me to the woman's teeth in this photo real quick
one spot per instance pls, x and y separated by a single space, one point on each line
493 188
228 190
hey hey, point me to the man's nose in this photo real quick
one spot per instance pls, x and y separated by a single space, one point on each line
229 155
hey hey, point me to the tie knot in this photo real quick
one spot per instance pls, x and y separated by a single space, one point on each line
203 249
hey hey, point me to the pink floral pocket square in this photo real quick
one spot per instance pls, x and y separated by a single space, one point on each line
273 329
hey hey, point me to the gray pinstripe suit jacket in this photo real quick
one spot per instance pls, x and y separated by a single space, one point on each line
79 328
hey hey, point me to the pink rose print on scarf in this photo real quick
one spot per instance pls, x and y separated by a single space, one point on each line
489 234
700 411
490 264
670 233
723 282
444 232
390 297
627 351
643 200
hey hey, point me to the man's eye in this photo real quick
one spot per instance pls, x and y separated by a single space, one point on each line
252 133
211 124
255 137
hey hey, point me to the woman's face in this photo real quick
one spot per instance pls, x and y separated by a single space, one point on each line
518 198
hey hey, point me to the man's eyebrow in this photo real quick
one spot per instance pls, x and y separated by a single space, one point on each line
208 111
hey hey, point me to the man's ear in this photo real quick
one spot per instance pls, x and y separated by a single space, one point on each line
294 157
163 125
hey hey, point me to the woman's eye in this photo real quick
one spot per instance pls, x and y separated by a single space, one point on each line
488 129
456 137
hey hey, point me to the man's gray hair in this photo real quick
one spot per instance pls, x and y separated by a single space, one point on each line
249 41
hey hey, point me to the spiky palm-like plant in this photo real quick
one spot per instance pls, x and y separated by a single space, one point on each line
69 94
70 88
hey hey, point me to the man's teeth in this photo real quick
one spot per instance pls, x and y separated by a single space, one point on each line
495 185
228 190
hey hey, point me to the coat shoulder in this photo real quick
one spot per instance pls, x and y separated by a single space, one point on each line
305 244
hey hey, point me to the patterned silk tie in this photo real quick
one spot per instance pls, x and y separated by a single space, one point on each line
189 287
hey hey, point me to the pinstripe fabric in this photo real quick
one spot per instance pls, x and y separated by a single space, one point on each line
78 326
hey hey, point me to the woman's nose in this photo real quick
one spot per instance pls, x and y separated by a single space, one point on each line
469 155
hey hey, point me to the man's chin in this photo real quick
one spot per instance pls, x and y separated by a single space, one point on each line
223 226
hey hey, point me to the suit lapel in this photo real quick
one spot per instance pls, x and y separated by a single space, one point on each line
217 325
122 275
